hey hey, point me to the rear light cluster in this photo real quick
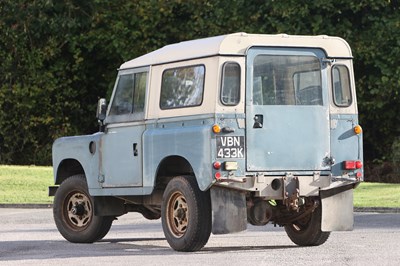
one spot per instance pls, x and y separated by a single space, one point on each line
352 165
217 166
223 166
226 166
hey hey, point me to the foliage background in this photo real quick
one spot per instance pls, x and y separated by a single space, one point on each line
59 57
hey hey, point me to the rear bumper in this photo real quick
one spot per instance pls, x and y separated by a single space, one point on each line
276 187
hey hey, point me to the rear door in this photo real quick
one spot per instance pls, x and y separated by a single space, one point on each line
287 110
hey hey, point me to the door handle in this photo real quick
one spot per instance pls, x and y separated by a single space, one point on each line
258 121
135 150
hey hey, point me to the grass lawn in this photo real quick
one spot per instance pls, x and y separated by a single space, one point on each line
377 195
25 184
29 184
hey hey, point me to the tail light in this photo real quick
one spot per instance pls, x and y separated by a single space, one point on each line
359 175
217 175
352 165
217 165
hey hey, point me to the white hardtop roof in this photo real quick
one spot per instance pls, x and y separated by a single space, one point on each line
238 44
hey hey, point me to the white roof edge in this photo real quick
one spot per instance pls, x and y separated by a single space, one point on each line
237 44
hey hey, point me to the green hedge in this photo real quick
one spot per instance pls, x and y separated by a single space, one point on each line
59 57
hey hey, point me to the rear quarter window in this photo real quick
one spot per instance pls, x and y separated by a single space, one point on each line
230 91
182 87
341 86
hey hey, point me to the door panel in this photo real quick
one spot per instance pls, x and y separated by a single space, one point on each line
287 113
121 145
122 156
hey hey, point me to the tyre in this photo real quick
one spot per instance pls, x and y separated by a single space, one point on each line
186 214
74 214
307 231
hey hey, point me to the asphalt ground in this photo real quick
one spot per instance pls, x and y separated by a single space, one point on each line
30 237
356 209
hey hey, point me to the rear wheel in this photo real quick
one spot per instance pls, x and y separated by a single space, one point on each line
307 231
74 214
186 214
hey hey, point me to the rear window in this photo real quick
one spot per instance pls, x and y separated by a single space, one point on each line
287 80
182 87
341 86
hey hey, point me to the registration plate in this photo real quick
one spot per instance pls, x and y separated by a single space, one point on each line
230 146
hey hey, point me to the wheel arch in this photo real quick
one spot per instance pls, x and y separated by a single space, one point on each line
67 168
169 167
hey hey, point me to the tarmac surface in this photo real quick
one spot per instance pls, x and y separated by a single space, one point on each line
30 237
356 209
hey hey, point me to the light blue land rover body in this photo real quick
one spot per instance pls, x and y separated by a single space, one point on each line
215 133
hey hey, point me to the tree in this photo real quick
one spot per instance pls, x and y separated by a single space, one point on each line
58 57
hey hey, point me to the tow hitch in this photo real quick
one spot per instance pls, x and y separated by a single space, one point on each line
291 192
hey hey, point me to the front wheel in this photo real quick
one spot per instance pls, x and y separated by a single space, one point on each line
307 231
186 214
74 214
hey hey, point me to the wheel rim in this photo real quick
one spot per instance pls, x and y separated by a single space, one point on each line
78 210
177 214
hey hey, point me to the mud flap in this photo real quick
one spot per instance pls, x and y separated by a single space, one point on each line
337 211
229 213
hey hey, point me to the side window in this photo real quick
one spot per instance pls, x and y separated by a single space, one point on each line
341 86
129 94
230 91
182 87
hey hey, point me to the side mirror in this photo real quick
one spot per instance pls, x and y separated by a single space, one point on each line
101 110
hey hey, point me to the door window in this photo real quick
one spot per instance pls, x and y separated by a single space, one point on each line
122 103
129 97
